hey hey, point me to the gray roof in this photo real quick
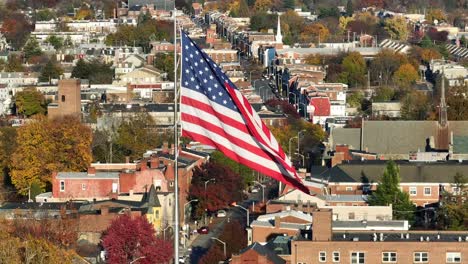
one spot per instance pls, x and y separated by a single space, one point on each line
348 136
394 137
84 175
397 137
356 171
460 144
368 224
345 198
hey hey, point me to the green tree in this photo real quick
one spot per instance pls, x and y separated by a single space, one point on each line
245 172
46 146
397 28
289 4
45 15
415 106
136 135
355 99
50 71
30 102
384 94
165 63
453 211
95 71
349 8
457 100
31 48
388 192
354 69
55 41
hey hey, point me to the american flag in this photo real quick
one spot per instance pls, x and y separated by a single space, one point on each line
214 112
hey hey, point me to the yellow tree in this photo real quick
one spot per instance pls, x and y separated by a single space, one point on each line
343 22
405 75
262 5
435 14
44 146
314 32
397 28
429 54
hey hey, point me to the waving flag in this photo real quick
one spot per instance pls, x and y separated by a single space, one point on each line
214 112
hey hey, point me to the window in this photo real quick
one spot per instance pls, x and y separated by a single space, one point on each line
157 214
63 98
171 184
357 258
421 257
413 191
114 187
336 256
62 186
322 256
351 216
349 188
427 191
83 186
453 257
389 257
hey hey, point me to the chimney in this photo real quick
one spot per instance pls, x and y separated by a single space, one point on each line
91 171
104 210
143 164
322 225
127 159
277 222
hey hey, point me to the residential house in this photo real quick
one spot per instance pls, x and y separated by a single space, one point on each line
258 253
144 75
390 109
19 78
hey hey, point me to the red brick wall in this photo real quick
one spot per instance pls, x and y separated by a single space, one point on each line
94 188
250 257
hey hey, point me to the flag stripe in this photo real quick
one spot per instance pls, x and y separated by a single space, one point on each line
214 112
223 137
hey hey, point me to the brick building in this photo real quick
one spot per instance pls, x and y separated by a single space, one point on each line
327 246
68 101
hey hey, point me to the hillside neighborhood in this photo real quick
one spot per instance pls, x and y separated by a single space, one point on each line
367 100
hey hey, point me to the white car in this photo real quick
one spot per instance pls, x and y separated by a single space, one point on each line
221 213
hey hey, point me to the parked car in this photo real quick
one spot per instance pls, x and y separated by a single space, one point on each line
203 230
221 213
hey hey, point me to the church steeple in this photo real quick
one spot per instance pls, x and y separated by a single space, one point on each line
279 37
443 104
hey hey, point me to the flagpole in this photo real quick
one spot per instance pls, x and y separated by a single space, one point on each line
176 148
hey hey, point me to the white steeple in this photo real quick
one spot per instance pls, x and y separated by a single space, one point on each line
279 37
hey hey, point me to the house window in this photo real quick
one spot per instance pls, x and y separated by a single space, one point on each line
62 186
351 216
389 257
63 98
358 258
427 191
421 257
83 186
413 191
157 214
322 256
453 257
349 188
114 187
336 256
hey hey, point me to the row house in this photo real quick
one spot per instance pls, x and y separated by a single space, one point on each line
423 181
19 78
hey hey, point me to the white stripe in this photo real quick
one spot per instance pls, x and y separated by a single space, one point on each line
260 161
230 130
232 114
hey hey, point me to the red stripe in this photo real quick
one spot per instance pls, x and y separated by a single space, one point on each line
209 109
222 133
249 163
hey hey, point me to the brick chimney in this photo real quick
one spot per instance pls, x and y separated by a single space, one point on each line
322 225
104 210
91 171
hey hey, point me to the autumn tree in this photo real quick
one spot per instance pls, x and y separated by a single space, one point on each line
46 146
30 102
132 240
16 29
384 65
415 105
457 100
243 171
429 54
213 255
291 26
14 64
405 76
136 135
225 189
354 69
453 211
397 28
389 192
165 63
315 32
262 5
435 14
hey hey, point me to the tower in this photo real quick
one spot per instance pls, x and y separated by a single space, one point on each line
279 37
443 104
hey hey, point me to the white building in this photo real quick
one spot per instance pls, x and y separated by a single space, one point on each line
18 78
